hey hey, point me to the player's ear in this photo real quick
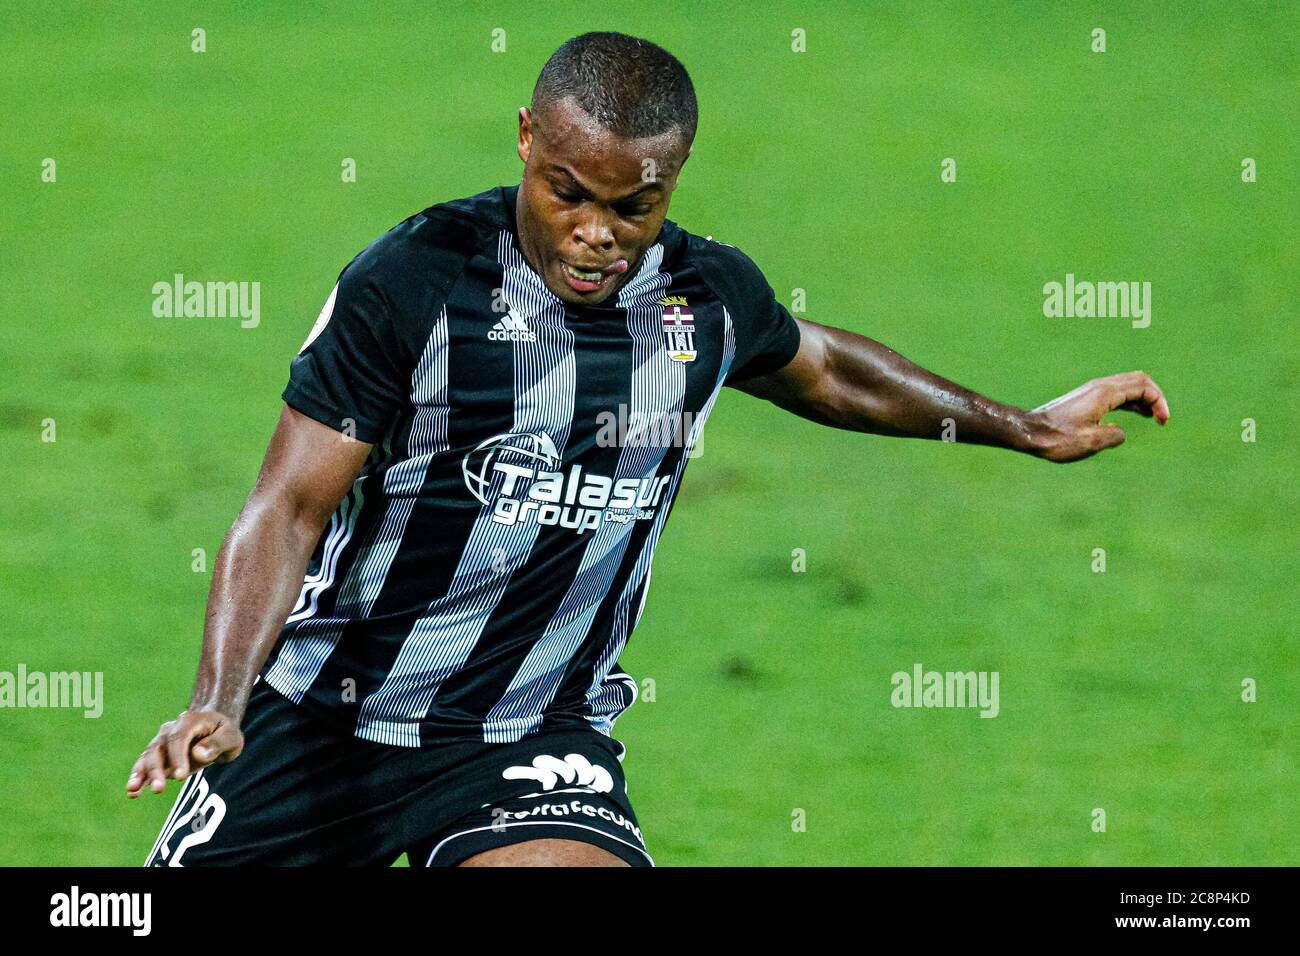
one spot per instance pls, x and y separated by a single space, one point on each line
525 133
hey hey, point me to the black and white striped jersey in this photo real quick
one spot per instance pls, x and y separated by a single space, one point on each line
481 577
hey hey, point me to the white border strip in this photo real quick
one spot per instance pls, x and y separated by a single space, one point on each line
530 823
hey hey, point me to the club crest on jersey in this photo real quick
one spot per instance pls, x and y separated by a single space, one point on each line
679 329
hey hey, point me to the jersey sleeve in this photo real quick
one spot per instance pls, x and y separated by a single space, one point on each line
349 373
767 336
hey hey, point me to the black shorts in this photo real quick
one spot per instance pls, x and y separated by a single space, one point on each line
306 792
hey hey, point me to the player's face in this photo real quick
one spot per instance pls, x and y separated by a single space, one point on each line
591 203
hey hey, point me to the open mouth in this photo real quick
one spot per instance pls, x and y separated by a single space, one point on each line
591 280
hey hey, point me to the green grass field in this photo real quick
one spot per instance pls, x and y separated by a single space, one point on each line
1119 690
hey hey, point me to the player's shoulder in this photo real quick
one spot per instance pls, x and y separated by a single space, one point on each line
724 267
460 226
432 247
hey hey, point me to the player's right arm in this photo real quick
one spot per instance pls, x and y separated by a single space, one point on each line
307 470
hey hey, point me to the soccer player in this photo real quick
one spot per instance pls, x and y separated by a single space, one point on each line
412 639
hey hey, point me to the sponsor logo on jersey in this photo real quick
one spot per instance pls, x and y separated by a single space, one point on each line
679 329
511 329
519 476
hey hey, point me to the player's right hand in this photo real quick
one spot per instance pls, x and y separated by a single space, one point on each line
191 742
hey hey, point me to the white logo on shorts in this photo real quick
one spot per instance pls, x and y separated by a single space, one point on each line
575 769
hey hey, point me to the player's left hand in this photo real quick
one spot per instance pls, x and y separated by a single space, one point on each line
1069 428
194 740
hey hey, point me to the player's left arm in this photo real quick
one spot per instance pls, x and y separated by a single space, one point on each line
845 380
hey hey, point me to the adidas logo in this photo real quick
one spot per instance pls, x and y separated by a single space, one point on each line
511 329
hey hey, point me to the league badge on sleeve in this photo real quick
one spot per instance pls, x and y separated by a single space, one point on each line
679 329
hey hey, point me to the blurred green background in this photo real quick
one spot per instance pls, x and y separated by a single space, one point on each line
1119 690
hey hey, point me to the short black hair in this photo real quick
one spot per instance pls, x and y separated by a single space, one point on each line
630 86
